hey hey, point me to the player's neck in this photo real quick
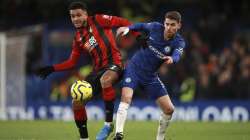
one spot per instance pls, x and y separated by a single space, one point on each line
169 38
84 25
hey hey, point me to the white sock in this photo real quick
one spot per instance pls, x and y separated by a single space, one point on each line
107 123
163 124
84 138
121 116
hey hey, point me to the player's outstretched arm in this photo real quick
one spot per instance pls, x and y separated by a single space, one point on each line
43 72
68 64
134 28
141 27
122 31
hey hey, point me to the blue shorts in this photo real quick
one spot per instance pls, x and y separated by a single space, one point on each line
134 77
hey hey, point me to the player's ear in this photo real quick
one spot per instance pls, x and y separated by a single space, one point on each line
179 25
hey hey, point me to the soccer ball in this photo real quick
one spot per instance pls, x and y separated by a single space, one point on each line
81 91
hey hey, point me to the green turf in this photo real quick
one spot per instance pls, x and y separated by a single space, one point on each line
59 130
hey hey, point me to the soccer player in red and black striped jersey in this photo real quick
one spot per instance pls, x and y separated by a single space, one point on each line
94 35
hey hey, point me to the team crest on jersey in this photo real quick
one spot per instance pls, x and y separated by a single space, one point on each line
128 80
167 49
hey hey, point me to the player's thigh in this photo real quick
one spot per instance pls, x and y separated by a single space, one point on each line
155 88
165 104
130 78
111 75
94 80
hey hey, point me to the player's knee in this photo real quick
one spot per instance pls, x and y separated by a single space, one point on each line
127 95
169 110
106 81
126 99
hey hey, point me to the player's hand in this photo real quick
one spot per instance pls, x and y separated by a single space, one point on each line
43 72
168 60
122 31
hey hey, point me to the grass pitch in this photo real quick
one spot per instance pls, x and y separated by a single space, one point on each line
134 130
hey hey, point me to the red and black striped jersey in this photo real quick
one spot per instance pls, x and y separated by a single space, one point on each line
98 39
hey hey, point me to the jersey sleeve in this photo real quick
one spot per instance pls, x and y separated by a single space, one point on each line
112 21
142 26
71 61
178 51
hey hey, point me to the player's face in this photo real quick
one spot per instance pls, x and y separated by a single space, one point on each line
78 17
171 28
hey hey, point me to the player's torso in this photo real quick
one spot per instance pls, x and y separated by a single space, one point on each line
100 43
86 40
158 48
151 58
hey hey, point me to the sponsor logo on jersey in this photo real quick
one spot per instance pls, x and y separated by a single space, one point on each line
91 43
157 52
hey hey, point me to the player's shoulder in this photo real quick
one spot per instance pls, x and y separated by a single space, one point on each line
179 40
103 16
179 37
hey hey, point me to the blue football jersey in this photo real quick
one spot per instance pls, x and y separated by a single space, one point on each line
149 59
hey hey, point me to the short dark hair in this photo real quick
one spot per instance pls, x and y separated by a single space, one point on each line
77 5
174 15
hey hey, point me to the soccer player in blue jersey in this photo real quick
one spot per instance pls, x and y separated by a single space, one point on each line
164 45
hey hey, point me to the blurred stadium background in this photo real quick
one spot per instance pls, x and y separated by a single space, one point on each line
211 83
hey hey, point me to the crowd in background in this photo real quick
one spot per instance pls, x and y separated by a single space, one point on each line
216 62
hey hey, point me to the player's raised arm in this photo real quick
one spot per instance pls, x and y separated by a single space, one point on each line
135 28
141 27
